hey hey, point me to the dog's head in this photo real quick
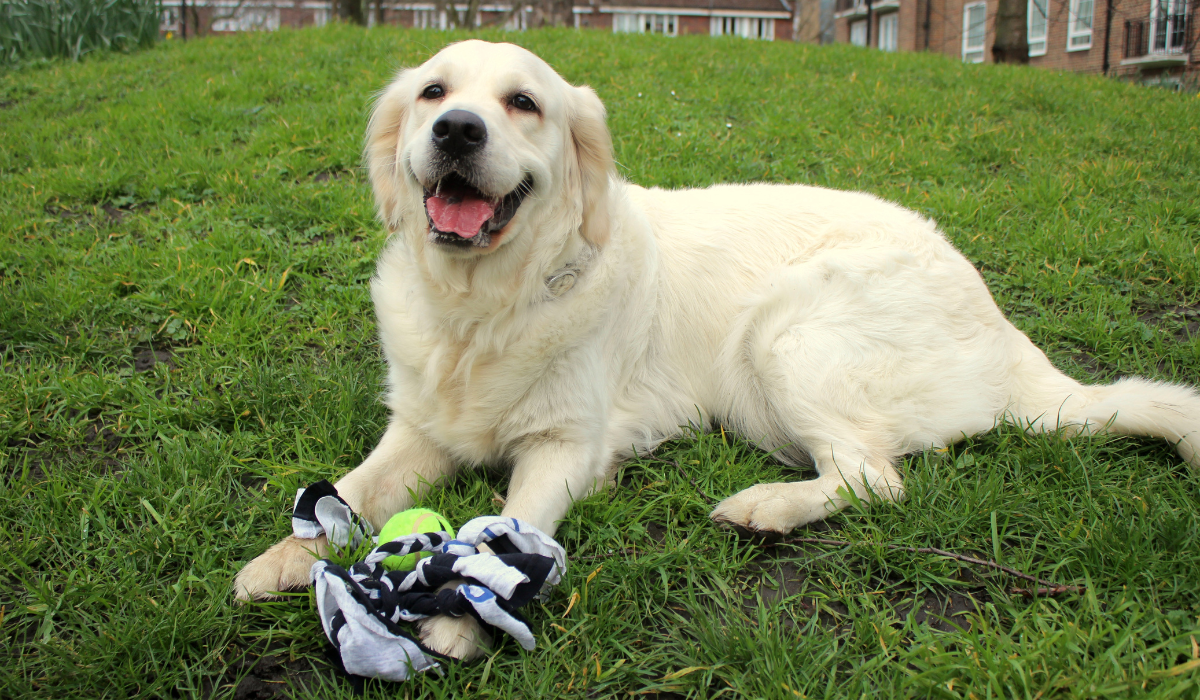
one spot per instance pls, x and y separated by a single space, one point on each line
483 145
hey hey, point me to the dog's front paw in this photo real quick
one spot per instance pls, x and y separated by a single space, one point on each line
767 508
458 637
283 567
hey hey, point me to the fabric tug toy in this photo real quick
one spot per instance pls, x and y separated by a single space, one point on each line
504 562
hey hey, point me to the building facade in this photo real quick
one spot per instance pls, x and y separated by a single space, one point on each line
750 19
1153 40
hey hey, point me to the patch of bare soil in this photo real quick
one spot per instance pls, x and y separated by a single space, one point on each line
266 677
942 608
106 214
145 359
1089 362
327 175
1180 320
28 457
34 452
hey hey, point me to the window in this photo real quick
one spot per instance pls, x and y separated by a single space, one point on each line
624 23
1079 25
1168 26
889 27
248 19
1036 28
975 31
745 27
660 24
168 21
628 23
858 32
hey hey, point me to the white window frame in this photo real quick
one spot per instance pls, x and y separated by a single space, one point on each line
745 27
1037 42
645 23
889 31
1080 39
858 32
248 19
969 51
1167 25
625 23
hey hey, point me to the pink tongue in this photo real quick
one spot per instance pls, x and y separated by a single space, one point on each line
459 214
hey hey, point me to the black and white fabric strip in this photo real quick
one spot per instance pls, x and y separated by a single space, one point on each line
503 563
319 510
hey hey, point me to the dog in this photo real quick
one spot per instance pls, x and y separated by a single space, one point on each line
538 311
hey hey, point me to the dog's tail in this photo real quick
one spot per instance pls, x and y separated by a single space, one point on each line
1049 400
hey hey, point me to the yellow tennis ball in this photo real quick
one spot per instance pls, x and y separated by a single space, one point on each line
411 522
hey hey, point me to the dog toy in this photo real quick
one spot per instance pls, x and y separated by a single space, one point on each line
504 563
411 522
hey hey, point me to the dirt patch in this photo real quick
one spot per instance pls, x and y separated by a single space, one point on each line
28 457
105 214
1088 361
265 677
97 444
943 608
102 438
144 359
1182 321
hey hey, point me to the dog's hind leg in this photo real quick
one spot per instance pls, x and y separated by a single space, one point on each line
850 361
781 507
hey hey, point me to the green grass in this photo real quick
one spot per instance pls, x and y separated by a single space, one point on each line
31 29
206 202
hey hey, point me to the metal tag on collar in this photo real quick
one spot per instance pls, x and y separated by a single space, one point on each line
562 281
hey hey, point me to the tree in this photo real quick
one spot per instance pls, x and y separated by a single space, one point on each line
1012 40
554 13
467 19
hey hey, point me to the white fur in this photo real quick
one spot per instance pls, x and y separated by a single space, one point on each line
831 326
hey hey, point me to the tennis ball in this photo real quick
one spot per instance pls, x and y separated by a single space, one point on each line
411 522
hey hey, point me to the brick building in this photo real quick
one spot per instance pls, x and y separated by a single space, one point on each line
751 19
1154 40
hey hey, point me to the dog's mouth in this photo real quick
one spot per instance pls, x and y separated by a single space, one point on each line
461 215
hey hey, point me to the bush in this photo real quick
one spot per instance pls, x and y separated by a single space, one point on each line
73 28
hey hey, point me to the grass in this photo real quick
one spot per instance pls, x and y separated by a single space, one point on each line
31 29
186 237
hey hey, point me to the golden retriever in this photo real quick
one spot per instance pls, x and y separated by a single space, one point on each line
536 310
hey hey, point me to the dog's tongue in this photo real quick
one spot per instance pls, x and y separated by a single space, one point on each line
459 212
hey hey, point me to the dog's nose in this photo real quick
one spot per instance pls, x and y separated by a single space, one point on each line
459 132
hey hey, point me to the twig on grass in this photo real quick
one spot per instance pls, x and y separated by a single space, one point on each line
696 486
1047 587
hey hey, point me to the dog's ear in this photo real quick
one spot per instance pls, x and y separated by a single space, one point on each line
382 149
594 159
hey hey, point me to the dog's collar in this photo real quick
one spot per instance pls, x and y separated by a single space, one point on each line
564 278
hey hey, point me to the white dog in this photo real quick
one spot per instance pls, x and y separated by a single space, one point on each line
538 311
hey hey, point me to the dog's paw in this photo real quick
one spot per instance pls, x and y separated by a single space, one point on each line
767 508
458 637
283 567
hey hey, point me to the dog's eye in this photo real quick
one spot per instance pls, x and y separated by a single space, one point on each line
434 92
524 103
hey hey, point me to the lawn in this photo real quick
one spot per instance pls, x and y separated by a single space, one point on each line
186 240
